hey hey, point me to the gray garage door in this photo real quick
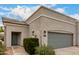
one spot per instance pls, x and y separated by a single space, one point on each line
59 40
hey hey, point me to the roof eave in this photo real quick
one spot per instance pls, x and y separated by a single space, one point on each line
12 21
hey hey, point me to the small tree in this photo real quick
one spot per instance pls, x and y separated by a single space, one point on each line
1 29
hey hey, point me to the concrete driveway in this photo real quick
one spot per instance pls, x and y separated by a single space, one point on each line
68 51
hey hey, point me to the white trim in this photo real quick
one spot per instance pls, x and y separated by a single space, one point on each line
51 18
7 24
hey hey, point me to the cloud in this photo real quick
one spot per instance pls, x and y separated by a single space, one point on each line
1 24
76 16
61 10
5 8
48 5
19 12
22 11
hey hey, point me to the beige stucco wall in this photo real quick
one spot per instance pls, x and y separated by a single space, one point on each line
35 26
53 25
15 28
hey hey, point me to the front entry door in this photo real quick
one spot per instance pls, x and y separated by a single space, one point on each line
14 40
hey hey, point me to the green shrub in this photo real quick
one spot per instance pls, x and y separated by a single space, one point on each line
43 50
30 44
2 48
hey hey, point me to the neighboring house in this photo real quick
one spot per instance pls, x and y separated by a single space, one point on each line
52 28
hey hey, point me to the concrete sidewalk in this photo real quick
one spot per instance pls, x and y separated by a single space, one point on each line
18 50
67 51
9 51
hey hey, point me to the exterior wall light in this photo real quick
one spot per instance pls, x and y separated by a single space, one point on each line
44 33
32 33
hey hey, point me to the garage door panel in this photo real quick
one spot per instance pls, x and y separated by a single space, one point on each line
59 40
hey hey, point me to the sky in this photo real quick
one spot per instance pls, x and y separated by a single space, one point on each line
22 11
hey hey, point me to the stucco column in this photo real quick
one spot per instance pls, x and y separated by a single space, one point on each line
5 35
8 38
44 38
74 39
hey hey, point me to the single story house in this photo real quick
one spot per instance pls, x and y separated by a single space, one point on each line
53 29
